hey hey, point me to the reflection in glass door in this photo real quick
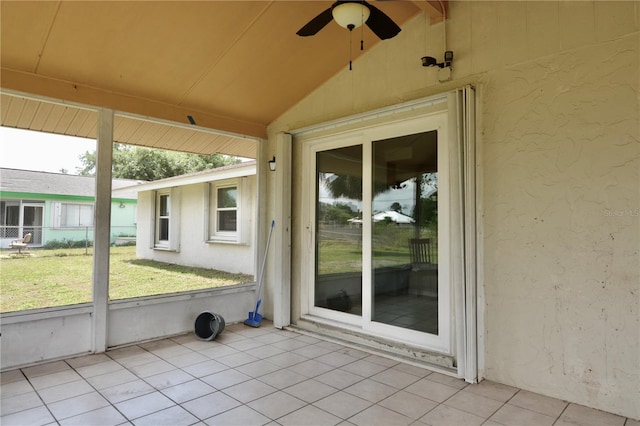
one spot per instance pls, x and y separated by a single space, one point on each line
405 232
338 268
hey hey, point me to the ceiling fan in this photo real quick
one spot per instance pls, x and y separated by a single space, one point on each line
351 14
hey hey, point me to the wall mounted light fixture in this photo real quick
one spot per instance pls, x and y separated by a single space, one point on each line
272 164
430 61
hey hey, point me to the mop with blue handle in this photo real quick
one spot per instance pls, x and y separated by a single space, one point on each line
255 318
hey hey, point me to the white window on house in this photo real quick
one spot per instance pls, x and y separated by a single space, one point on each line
76 215
73 215
227 209
163 216
226 212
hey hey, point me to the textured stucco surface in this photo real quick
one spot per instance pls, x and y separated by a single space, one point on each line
561 245
559 135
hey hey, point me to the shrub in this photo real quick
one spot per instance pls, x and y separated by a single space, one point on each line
64 243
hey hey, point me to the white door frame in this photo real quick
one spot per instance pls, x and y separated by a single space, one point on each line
460 105
442 342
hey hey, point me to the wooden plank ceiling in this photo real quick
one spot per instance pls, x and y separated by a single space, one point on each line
234 66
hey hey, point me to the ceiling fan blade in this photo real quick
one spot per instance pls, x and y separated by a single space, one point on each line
316 24
381 24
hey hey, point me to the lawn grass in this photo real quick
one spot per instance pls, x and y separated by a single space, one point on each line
390 247
339 256
48 278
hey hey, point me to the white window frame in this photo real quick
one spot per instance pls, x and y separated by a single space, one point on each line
58 217
216 235
158 243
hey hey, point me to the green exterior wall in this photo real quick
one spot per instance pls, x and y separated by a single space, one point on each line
123 216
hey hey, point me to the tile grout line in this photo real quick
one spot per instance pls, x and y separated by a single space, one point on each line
562 412
168 397
501 406
215 390
160 390
170 343
280 368
97 391
307 359
39 397
222 390
337 390
306 404
398 390
127 369
234 368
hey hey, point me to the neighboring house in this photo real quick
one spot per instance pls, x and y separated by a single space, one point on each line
58 207
393 216
204 219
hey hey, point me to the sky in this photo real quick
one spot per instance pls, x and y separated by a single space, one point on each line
405 196
39 151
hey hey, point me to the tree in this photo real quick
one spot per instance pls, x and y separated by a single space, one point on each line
152 164
348 186
337 212
426 212
88 160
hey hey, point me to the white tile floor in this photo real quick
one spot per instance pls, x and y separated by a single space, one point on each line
257 376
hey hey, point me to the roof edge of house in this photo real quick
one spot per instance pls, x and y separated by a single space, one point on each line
247 168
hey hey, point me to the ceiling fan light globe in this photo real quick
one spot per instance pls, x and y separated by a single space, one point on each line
350 15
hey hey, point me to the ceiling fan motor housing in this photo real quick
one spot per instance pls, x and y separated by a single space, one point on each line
350 15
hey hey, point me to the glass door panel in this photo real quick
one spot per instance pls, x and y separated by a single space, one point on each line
12 221
338 267
404 232
32 221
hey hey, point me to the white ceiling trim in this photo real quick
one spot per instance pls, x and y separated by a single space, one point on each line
30 112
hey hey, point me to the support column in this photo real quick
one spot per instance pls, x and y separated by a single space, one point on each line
464 169
102 229
282 233
470 243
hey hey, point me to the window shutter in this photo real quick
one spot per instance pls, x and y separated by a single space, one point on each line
56 211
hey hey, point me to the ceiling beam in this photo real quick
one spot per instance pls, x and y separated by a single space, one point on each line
85 95
436 9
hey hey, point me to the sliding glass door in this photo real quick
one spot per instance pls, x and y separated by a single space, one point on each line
380 246
404 232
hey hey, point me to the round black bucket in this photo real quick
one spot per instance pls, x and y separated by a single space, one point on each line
209 325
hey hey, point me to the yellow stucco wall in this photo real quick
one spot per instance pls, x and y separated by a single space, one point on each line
559 135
